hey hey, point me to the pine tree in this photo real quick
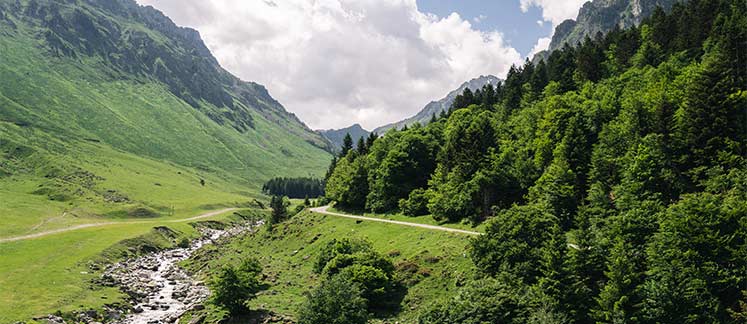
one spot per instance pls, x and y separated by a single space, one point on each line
361 148
347 145
279 211
513 88
619 300
371 140
538 80
330 169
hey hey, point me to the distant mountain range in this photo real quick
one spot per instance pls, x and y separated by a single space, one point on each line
436 107
601 16
337 135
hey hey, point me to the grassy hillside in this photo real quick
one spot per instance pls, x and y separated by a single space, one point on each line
431 263
87 98
54 273
111 113
102 99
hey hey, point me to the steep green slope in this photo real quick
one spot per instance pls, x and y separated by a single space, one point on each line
127 77
110 113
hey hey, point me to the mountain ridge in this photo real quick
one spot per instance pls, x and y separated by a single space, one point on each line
601 16
336 136
443 104
96 69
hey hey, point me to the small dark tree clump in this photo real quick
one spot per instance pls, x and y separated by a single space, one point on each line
233 287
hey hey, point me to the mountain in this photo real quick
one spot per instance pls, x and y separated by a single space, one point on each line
601 16
436 107
337 135
112 74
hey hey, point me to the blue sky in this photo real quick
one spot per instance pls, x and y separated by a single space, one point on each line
520 29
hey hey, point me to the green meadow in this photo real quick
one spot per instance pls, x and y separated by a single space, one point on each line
431 263
48 274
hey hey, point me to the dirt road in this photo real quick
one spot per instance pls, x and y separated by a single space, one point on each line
82 226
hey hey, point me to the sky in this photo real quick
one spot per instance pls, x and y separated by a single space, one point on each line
335 63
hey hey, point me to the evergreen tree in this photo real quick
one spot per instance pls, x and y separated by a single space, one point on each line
279 210
347 145
361 147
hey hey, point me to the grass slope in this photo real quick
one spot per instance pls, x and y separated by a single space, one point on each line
53 273
110 113
433 263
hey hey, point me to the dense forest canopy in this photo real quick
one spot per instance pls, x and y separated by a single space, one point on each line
612 176
297 188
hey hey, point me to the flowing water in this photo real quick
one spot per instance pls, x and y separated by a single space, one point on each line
162 291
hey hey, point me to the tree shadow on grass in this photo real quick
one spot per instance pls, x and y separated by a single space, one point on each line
393 304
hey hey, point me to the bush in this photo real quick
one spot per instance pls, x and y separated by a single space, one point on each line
416 204
357 262
336 301
369 258
483 301
374 283
336 247
233 287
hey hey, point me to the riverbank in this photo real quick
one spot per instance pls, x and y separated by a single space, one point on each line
160 291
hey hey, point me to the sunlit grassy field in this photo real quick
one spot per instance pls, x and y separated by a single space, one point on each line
289 252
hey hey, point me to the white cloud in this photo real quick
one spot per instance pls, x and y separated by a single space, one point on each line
479 18
542 44
555 11
541 23
339 62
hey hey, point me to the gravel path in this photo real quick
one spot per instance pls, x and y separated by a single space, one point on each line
324 210
82 226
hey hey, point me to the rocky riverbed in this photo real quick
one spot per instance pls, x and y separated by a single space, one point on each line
161 292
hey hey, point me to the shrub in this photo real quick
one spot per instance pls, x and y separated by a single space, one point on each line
369 258
336 247
336 301
233 287
483 301
374 283
416 204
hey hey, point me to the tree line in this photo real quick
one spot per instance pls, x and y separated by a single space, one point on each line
297 188
612 176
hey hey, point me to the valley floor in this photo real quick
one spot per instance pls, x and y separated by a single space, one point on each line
55 271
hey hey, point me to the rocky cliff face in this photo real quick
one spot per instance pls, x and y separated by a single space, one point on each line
601 16
436 107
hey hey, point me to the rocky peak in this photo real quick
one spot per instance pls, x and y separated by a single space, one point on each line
601 16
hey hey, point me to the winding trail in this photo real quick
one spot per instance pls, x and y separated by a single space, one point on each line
324 210
82 226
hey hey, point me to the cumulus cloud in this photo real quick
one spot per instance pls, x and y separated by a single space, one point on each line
479 18
555 11
542 44
339 62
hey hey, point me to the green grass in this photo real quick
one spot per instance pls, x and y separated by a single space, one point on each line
82 142
288 254
160 187
426 219
74 100
51 273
